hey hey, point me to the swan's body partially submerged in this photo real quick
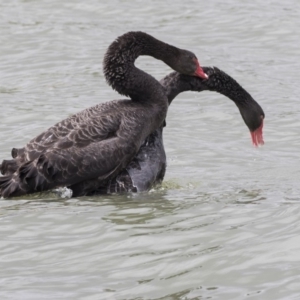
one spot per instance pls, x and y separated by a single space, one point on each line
98 143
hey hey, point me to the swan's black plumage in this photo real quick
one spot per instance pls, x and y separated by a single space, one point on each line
149 165
98 142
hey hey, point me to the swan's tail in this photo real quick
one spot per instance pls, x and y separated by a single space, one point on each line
8 167
11 187
26 180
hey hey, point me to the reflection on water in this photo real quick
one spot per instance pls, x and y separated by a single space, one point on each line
224 224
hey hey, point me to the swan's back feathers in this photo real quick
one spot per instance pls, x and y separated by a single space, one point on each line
88 126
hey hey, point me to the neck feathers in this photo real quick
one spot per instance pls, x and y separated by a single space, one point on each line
121 73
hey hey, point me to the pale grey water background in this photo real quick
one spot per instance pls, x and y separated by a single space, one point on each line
225 224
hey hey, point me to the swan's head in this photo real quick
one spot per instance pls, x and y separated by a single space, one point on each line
254 119
188 64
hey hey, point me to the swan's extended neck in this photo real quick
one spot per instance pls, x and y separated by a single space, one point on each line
218 81
222 83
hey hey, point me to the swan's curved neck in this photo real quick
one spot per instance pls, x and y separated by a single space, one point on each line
121 73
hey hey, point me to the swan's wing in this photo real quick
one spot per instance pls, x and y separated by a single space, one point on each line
84 146
90 125
63 168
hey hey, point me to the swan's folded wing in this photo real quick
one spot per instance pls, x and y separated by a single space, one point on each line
64 167
84 146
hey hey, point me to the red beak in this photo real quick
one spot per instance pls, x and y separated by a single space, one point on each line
257 136
199 72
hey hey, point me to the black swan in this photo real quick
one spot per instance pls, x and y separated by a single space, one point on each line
100 141
149 165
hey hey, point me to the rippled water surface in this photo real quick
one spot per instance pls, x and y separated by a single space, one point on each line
225 223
